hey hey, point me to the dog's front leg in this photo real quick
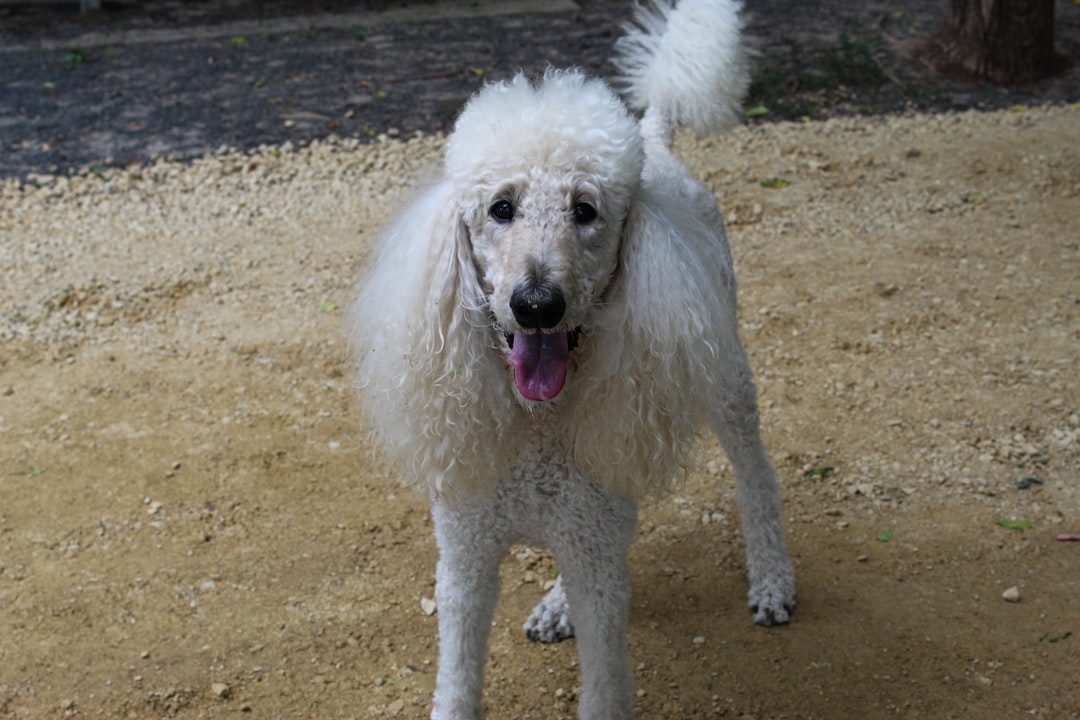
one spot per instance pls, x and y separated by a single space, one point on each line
466 591
591 535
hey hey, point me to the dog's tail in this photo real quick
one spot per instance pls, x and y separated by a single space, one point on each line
685 65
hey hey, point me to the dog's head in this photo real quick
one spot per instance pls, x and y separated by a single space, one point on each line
545 174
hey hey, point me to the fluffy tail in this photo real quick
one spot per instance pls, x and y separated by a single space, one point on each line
686 64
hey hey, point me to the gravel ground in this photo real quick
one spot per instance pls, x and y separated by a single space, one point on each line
192 524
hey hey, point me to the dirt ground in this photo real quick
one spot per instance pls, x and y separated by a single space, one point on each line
191 523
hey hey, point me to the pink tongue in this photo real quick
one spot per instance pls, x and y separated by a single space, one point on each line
539 361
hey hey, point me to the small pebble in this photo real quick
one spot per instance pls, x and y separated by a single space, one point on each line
1011 595
427 605
220 690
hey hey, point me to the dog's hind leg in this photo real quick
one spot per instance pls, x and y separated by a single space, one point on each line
735 421
550 619
466 591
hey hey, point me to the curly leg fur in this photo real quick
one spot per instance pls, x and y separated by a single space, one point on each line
466 590
772 578
590 531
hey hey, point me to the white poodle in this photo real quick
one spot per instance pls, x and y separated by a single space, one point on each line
545 328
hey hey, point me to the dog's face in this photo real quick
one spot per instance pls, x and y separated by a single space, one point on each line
546 174
546 247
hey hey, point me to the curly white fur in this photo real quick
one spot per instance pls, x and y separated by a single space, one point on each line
435 347
689 62
544 330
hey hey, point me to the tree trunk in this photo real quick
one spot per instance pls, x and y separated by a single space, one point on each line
1002 41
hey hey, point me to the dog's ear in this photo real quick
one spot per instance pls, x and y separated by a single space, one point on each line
658 342
429 381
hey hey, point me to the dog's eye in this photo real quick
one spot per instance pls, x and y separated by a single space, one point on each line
584 213
502 211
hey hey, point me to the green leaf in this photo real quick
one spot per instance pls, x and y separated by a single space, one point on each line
75 56
820 472
758 111
1014 524
775 183
328 307
885 535
237 41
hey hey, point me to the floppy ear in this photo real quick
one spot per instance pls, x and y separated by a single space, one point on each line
423 347
658 348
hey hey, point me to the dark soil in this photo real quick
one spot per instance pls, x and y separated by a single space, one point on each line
96 89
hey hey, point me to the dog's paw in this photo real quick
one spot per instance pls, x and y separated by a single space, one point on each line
550 619
772 599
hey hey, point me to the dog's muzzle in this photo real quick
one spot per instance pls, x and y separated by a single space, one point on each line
540 357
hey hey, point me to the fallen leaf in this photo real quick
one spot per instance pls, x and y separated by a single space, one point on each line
1014 524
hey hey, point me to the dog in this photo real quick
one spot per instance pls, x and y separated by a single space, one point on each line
544 329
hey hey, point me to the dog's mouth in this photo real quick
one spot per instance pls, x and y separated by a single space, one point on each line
540 361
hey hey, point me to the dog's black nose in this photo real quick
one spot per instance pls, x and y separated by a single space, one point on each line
539 306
